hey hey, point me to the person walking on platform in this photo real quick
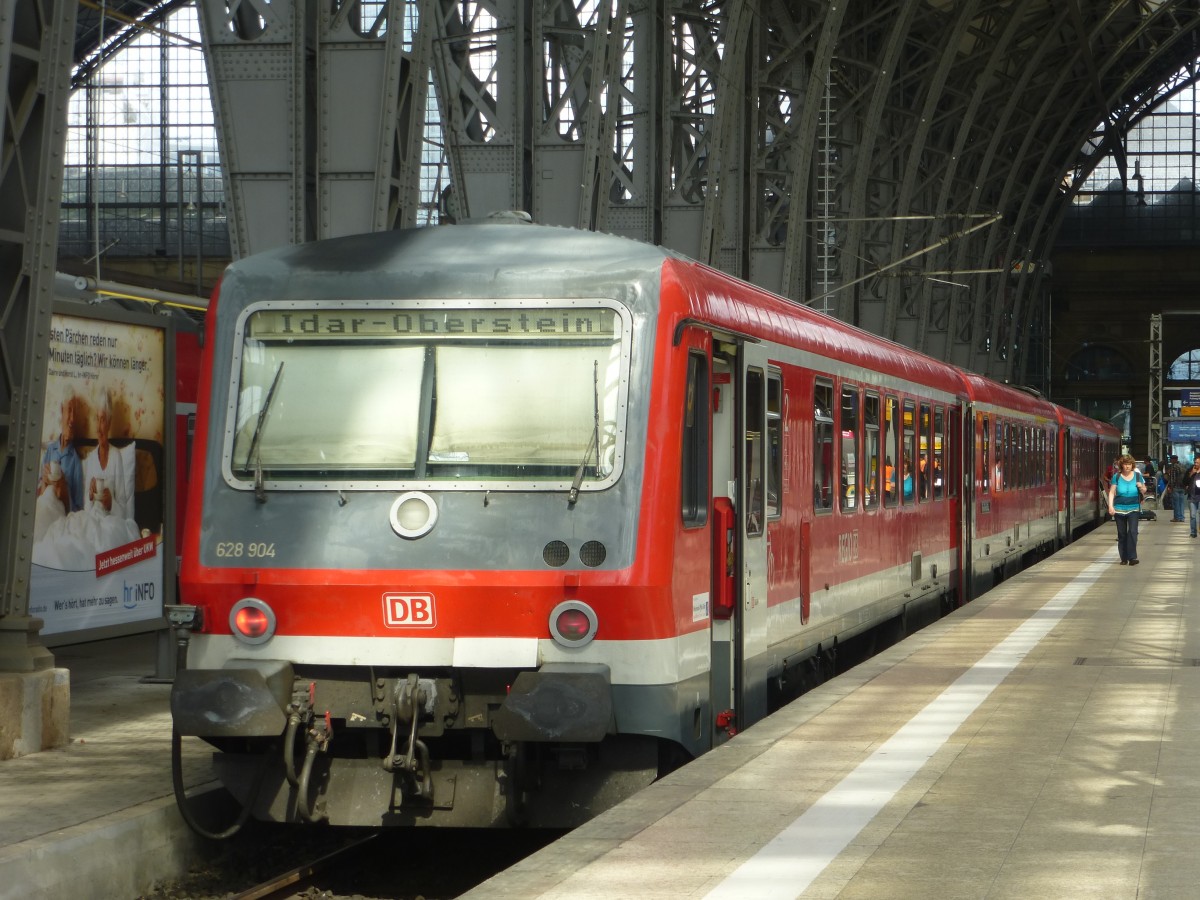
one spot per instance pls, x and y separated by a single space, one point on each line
1125 505
1193 492
1174 475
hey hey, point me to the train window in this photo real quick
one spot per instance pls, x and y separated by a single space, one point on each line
1026 457
939 453
892 451
774 445
453 397
823 460
986 433
1000 462
1019 435
754 461
908 474
872 470
1007 480
1036 462
925 465
1047 458
1012 474
694 466
849 484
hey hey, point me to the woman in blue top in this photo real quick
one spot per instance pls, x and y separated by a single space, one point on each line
1125 505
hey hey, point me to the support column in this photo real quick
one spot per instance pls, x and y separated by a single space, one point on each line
36 37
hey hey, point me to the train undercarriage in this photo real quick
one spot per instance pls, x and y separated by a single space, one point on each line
358 747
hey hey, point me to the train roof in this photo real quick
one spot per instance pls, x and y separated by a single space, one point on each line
485 257
1007 396
1078 421
752 311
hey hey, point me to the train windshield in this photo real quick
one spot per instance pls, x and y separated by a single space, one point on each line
447 397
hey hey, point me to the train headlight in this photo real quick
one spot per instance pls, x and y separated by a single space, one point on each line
413 515
573 624
252 621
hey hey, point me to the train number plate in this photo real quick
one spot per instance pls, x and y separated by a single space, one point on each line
409 610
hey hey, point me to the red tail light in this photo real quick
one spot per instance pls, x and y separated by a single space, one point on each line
573 623
251 623
252 620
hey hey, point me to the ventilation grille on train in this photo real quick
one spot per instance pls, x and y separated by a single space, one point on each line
591 554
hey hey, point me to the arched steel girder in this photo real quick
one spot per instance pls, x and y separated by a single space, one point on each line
1012 146
1027 307
956 192
924 156
1038 36
1123 72
1093 151
105 27
890 27
638 101
824 23
320 108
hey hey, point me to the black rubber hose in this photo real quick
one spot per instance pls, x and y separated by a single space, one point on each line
303 807
181 797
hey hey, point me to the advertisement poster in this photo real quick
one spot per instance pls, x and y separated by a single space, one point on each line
98 527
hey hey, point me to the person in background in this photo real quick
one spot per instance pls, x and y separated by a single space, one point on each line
1173 474
1193 492
104 470
62 470
1125 505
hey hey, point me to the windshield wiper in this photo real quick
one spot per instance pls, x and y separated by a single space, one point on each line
593 441
260 493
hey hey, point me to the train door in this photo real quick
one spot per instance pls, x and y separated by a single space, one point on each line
739 620
1068 486
975 487
957 494
751 674
722 687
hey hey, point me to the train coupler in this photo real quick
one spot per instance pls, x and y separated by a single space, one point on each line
411 761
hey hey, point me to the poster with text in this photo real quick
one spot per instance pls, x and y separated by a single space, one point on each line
98 526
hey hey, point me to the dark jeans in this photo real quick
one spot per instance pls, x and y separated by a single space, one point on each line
1127 528
1178 500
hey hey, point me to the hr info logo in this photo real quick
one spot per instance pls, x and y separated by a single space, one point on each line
137 593
408 610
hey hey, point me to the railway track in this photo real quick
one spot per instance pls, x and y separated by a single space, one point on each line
296 882
402 864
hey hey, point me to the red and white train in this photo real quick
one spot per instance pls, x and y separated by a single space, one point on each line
491 523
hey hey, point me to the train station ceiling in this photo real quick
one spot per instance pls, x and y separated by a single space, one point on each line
902 165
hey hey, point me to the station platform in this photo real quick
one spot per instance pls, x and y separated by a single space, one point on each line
97 817
1041 741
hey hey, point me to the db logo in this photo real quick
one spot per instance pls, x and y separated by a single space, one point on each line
408 611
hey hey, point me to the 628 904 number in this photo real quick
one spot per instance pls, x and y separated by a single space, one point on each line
252 549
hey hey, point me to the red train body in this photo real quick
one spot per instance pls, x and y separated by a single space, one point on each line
491 523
